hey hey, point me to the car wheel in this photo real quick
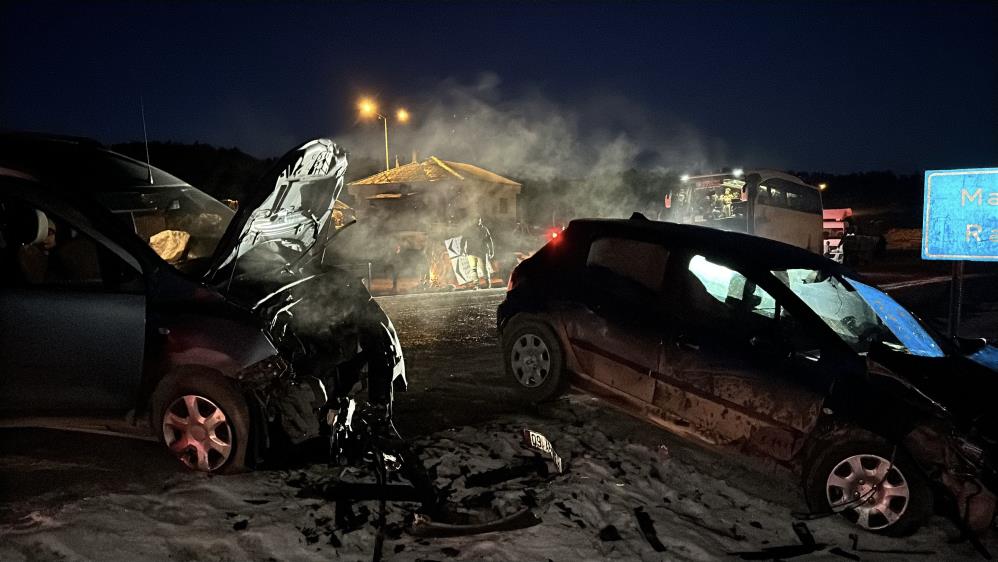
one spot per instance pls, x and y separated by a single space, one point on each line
534 360
869 481
204 422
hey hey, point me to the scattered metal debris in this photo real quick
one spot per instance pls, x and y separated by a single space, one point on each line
647 527
424 526
807 546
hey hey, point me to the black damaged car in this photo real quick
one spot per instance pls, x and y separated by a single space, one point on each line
741 341
131 302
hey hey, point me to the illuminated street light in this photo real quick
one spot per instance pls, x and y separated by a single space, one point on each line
684 177
737 172
369 109
822 186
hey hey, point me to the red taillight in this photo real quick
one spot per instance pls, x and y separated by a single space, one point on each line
553 233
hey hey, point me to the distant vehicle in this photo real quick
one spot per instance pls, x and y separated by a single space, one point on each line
738 340
766 203
133 303
835 229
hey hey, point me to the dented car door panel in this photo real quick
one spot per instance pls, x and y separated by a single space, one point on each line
611 353
724 372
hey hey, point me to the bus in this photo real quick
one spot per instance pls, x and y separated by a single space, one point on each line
766 203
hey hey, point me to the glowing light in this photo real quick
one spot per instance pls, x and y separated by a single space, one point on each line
737 172
402 115
822 186
684 177
367 107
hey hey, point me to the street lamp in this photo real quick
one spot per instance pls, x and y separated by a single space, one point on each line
822 186
369 109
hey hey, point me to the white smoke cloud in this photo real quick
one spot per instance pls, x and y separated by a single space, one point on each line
525 135
529 135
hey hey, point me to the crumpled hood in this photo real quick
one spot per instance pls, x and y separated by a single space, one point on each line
318 304
963 384
290 206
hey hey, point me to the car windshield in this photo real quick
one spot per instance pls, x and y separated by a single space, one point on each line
859 313
182 224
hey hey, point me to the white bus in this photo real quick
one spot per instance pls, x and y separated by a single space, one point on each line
766 203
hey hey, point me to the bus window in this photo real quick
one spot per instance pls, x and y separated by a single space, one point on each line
775 198
810 201
793 199
792 196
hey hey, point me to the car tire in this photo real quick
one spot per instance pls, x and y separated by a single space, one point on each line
204 421
856 463
534 360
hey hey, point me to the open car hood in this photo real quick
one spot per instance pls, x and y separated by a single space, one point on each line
290 206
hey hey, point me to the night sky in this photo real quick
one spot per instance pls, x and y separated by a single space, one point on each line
835 86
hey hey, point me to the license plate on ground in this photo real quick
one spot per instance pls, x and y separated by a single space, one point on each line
539 443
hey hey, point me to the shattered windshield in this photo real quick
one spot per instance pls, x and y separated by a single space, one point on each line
182 224
860 314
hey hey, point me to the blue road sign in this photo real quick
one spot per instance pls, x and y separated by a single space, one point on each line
960 220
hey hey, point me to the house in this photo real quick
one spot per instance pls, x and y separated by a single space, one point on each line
436 195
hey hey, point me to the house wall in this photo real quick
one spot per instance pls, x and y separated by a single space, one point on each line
446 201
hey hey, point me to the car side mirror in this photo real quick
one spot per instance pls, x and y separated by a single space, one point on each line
968 346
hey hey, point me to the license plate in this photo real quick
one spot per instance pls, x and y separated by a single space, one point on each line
539 443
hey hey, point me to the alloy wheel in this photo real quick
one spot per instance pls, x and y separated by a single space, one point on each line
197 432
869 490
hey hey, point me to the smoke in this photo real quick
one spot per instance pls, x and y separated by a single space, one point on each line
572 156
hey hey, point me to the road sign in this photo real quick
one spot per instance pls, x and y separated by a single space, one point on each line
960 220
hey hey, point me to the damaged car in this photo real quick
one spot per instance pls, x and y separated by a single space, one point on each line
133 303
739 341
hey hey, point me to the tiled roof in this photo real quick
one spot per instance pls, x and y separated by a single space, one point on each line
434 169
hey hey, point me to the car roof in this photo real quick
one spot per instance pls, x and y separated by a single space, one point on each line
83 165
733 247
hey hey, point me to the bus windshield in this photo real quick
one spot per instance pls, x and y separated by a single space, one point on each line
717 201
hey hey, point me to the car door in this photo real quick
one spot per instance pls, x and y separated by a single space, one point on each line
615 333
729 371
72 326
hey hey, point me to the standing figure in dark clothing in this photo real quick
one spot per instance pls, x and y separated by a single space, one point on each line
480 249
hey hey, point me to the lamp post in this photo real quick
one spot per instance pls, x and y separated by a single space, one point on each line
369 109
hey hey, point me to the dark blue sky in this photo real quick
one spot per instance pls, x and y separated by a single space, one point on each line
836 86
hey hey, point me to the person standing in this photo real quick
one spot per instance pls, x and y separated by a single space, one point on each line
479 249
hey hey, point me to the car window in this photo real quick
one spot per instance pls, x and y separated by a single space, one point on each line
731 287
44 250
642 262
